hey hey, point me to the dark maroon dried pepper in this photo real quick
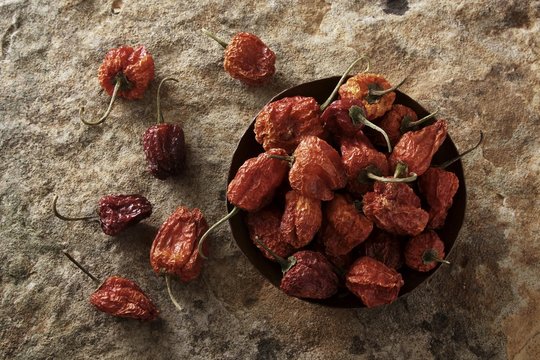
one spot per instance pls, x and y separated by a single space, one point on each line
115 212
384 247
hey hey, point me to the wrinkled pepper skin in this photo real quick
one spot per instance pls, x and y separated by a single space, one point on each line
249 60
373 282
174 250
256 181
311 278
264 225
317 170
357 154
301 220
395 208
123 298
134 67
337 121
385 248
391 124
417 247
416 148
351 226
117 212
165 149
439 187
285 123
329 235
357 88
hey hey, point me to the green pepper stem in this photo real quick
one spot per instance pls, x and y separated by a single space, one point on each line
102 119
286 264
171 296
341 80
401 170
431 255
373 92
81 267
411 178
158 102
213 36
357 115
451 161
233 212
407 124
62 217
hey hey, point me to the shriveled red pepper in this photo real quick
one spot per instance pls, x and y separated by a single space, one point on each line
120 297
125 72
373 282
247 58
384 247
424 252
357 154
391 123
164 145
329 235
337 121
373 90
115 212
307 274
301 220
264 226
416 148
349 223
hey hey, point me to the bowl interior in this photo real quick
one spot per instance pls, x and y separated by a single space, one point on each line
248 148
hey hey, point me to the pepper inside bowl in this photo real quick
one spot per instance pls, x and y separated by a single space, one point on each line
248 148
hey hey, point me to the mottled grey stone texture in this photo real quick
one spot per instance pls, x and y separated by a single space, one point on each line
477 61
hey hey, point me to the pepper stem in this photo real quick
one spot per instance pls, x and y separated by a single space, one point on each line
401 169
451 161
411 178
171 296
407 124
213 36
357 115
341 80
80 267
378 93
102 119
286 264
431 255
233 212
289 159
65 218
158 105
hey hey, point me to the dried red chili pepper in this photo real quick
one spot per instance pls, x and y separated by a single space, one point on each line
264 226
247 58
349 223
317 169
115 212
254 185
164 145
125 72
373 282
306 274
385 248
394 207
120 297
373 90
329 235
424 252
416 148
301 220
337 121
357 154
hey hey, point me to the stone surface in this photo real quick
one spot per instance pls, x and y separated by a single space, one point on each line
478 61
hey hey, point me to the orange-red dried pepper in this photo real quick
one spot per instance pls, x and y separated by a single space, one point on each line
264 227
301 220
439 187
424 252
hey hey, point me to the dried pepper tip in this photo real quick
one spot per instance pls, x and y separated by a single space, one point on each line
233 212
408 125
65 218
358 116
399 175
451 161
213 36
158 103
171 296
340 82
286 264
81 267
375 92
431 255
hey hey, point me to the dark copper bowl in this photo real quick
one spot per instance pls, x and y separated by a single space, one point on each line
248 148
